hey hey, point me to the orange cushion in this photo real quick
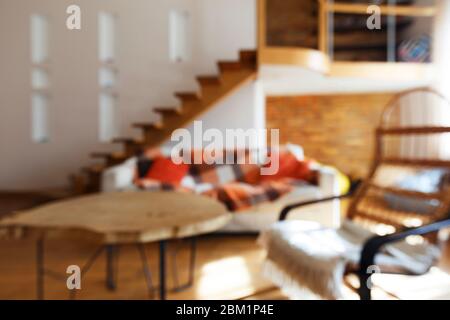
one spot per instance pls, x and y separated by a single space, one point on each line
290 167
164 170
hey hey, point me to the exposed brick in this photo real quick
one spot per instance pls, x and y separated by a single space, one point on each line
336 130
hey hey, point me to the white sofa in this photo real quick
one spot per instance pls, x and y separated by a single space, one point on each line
259 217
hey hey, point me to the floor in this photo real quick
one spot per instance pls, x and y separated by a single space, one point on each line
227 268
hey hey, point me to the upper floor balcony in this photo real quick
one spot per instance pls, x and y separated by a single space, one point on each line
349 38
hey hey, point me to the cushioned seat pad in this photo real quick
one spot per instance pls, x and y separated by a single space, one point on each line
304 254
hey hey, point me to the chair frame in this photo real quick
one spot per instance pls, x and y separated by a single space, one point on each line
371 248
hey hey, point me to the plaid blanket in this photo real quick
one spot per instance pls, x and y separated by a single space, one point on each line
239 186
240 196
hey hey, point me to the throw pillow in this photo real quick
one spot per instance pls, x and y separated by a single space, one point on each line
164 170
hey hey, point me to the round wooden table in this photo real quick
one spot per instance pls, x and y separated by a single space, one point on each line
121 218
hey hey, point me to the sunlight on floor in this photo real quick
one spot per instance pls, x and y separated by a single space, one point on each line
229 277
433 285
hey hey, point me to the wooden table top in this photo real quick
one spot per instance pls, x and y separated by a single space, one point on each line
127 217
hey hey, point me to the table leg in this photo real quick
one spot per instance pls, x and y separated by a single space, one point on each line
191 276
192 261
40 268
111 266
146 270
162 270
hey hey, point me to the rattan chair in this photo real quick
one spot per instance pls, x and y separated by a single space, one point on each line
413 136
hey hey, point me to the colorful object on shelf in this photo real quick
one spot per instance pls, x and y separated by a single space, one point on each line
415 50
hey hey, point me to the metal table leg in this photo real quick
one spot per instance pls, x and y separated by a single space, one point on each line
86 268
112 254
40 268
146 269
193 252
162 270
41 272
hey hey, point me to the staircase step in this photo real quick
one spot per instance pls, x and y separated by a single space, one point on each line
78 183
132 146
155 133
124 140
187 96
94 173
128 141
148 125
170 111
209 80
150 131
112 158
248 57
229 65
94 169
106 154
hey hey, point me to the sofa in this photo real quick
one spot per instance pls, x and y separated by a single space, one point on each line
253 216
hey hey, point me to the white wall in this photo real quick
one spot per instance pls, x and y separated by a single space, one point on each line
147 77
243 110
279 80
246 108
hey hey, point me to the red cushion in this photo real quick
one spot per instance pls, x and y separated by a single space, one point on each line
164 170
290 167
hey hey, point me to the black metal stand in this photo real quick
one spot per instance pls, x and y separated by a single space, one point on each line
162 270
146 270
41 272
88 266
40 268
193 255
112 256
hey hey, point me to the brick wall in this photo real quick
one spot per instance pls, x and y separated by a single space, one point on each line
334 129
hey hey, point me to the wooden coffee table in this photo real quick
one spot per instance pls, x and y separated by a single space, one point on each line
115 219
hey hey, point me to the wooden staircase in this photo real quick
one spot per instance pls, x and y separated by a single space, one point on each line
213 89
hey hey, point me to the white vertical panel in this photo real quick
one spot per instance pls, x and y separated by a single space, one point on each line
108 120
39 79
40 132
179 31
107 77
39 38
441 45
107 36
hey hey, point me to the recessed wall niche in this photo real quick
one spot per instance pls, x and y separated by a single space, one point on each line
107 76
39 78
107 36
40 129
179 31
39 30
